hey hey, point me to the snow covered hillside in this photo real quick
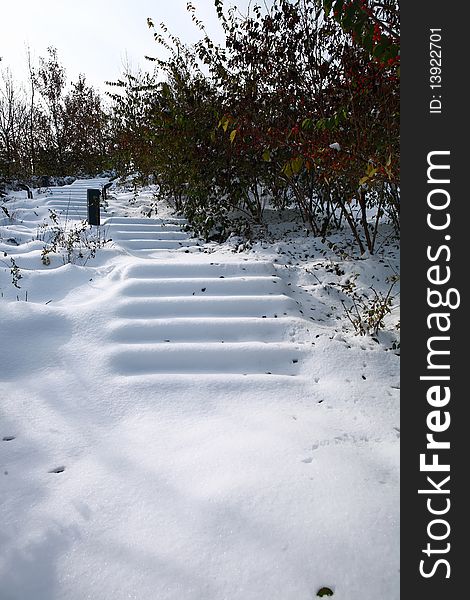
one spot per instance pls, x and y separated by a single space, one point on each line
190 421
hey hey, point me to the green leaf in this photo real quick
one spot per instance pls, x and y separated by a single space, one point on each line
224 123
297 164
287 169
370 172
233 135
267 155
327 4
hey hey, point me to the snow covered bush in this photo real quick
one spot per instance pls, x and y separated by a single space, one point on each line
367 311
73 242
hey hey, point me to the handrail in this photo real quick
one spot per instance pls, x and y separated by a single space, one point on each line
105 188
23 186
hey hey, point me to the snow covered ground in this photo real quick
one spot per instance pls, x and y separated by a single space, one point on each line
182 421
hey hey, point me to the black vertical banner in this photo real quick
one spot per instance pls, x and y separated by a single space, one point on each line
435 163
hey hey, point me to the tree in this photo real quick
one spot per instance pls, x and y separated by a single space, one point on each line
13 126
85 130
51 84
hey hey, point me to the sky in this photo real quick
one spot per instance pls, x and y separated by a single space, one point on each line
96 37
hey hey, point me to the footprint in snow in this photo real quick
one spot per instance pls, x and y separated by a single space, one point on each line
57 470
324 591
8 438
307 460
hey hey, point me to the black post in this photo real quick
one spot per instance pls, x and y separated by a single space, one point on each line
93 200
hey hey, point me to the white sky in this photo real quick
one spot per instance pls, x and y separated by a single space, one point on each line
96 37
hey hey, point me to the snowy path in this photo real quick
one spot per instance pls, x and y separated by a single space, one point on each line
203 318
70 201
171 316
144 236
175 429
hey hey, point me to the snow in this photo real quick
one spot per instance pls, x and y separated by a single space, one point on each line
184 421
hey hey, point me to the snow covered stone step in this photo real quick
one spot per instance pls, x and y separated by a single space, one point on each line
69 192
77 213
85 184
71 213
152 270
63 213
64 209
154 244
227 329
66 200
228 358
148 240
66 204
155 234
211 286
145 221
208 306
128 224
64 194
88 182
148 228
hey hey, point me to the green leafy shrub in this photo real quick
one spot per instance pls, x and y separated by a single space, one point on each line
298 107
